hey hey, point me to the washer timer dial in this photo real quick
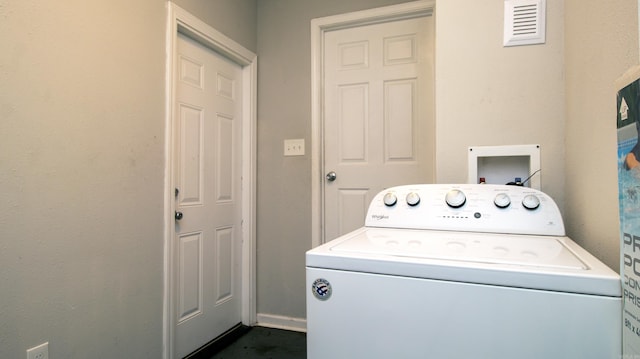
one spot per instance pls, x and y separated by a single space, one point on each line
502 200
390 199
455 198
531 202
413 199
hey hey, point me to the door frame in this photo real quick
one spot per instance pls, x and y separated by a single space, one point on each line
181 21
318 28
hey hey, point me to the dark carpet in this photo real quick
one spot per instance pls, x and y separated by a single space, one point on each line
266 343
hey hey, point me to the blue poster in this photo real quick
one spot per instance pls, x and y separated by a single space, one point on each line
628 125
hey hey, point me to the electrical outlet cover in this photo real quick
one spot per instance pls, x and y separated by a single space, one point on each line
39 352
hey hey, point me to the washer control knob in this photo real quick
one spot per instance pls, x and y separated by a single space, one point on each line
502 200
455 198
390 199
531 202
413 199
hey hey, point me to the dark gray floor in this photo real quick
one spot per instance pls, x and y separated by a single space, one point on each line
266 343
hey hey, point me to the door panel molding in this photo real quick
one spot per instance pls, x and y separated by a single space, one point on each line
318 28
181 21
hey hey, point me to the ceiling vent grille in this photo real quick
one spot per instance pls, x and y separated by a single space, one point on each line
524 22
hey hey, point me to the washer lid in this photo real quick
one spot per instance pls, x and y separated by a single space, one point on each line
534 262
534 251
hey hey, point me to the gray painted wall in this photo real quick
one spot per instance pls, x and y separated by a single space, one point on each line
81 172
485 95
82 141
234 18
284 111
601 43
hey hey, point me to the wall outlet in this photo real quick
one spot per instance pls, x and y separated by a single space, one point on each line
39 352
294 147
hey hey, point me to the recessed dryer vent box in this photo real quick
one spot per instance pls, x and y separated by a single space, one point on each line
503 164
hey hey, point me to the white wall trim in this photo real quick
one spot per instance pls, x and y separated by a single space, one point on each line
181 21
318 27
282 322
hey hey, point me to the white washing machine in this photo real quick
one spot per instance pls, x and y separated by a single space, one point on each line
461 271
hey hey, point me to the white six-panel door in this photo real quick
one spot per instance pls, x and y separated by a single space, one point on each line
207 157
379 116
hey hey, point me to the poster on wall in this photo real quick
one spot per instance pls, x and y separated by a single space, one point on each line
628 125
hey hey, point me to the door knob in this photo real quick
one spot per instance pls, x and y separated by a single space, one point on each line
331 176
178 216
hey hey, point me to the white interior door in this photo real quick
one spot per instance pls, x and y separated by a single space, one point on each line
207 157
378 115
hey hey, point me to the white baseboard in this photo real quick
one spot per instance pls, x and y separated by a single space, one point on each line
282 322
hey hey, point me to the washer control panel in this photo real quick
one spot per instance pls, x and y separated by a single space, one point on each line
466 207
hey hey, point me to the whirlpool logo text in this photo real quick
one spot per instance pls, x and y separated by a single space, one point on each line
379 217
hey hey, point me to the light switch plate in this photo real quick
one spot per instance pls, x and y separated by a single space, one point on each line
294 147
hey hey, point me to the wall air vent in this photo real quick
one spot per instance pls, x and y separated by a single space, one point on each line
524 22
